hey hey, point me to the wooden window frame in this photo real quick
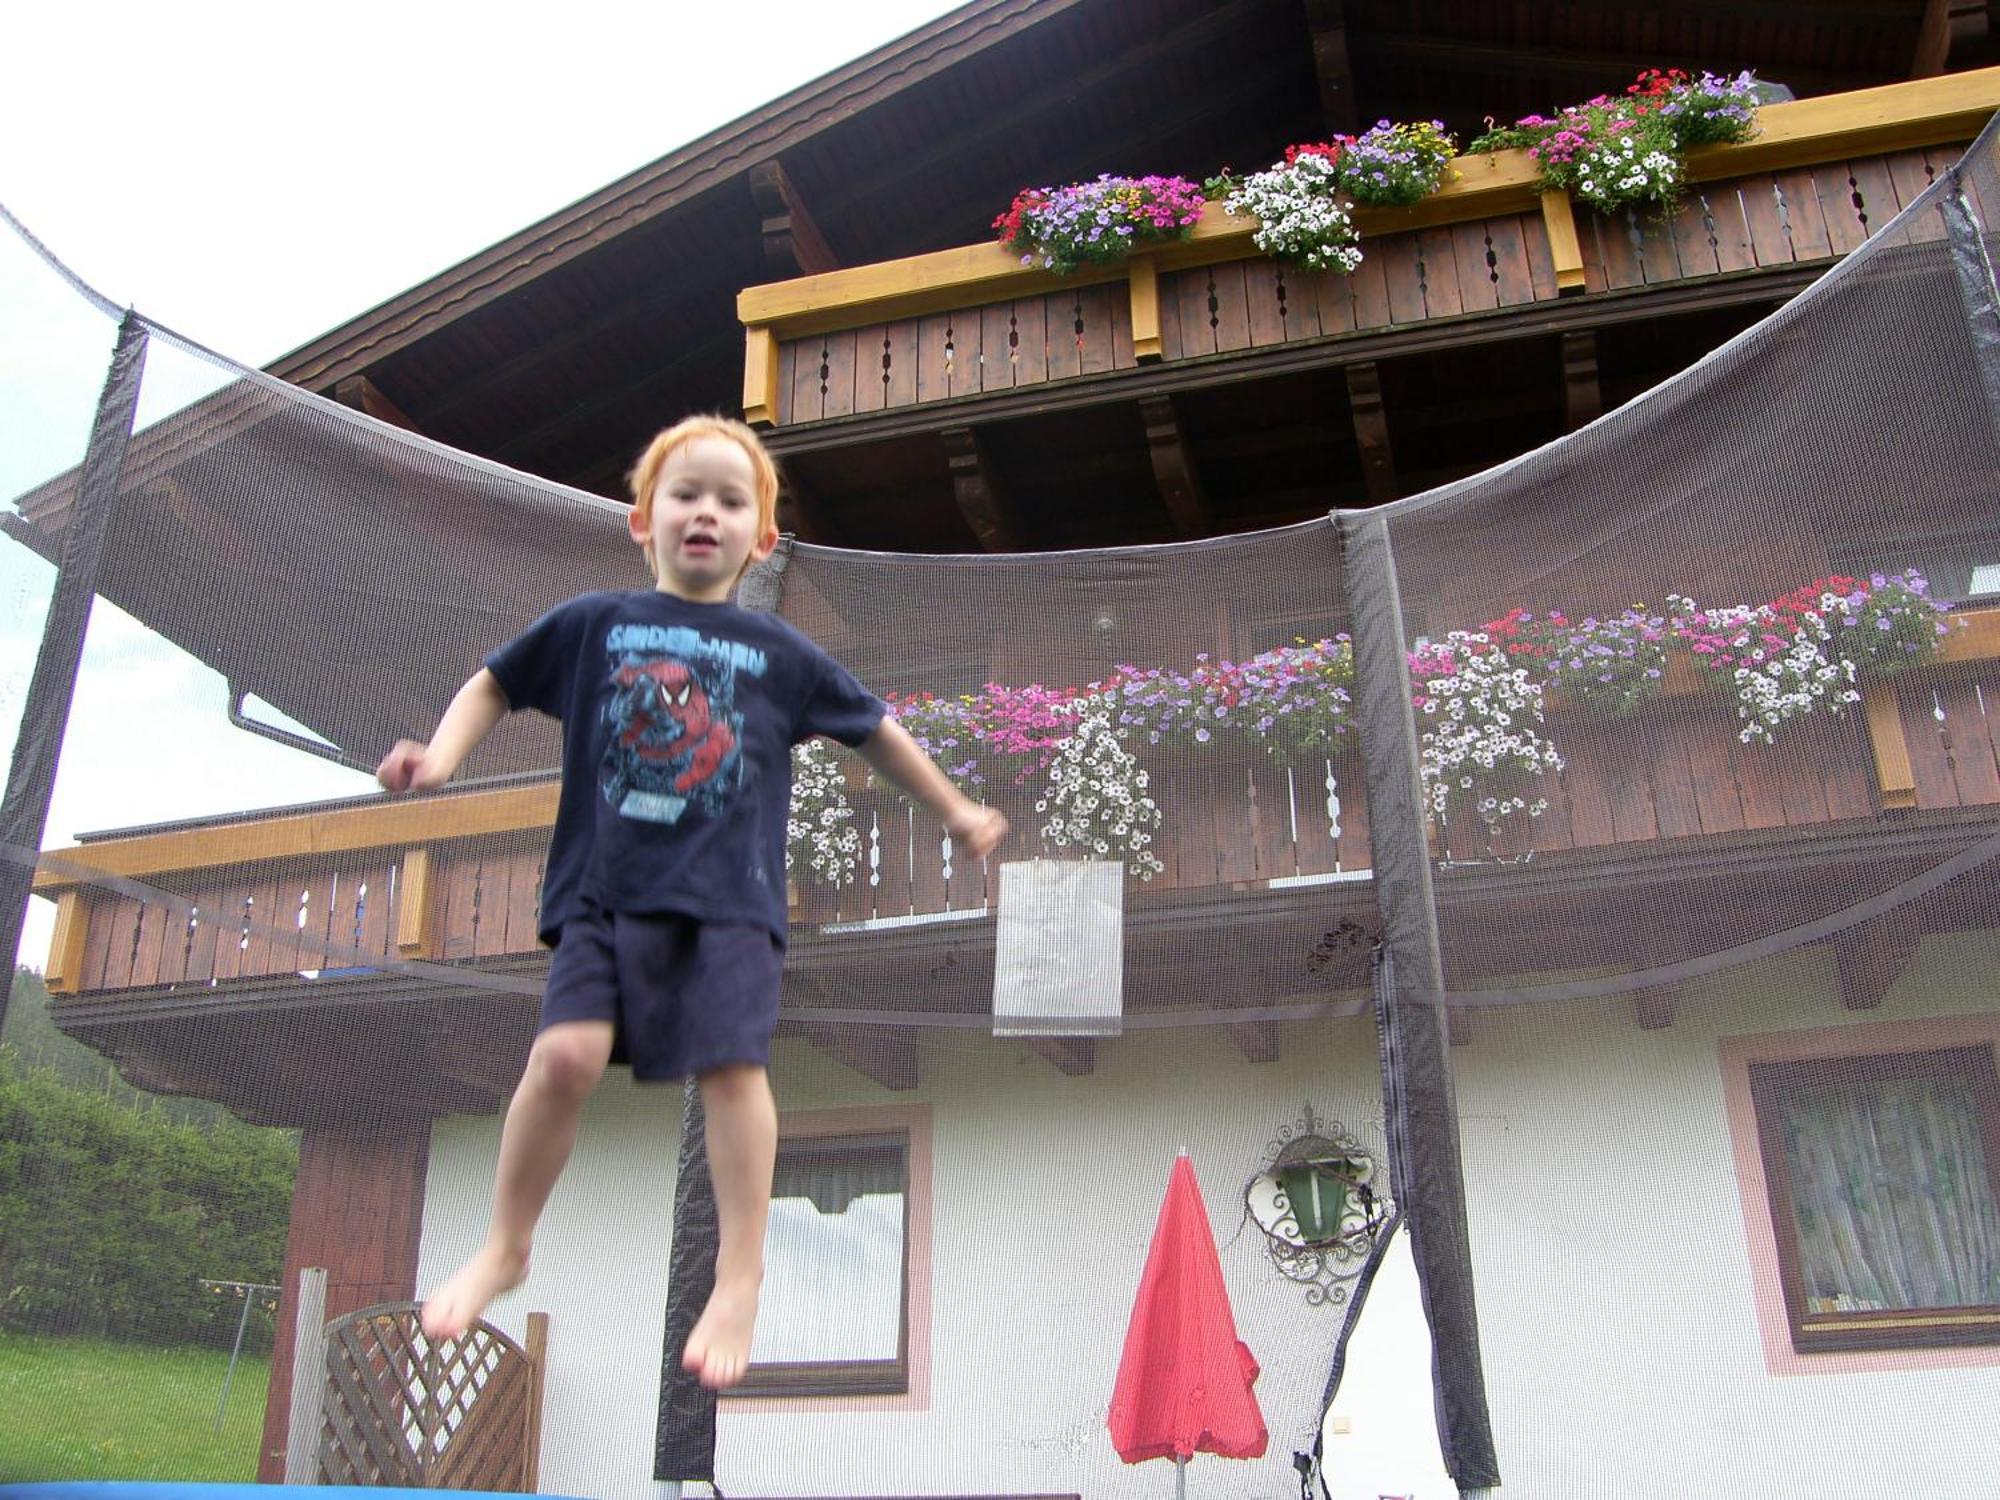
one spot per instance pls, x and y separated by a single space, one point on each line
1892 1329
860 1377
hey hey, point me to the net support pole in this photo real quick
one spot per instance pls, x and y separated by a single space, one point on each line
31 775
684 1441
1976 286
1419 1108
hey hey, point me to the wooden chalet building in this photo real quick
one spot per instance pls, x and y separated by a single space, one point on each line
825 267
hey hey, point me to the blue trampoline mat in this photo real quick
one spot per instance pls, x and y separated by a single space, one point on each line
118 1489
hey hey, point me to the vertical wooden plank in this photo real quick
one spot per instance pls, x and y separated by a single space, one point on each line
871 389
1298 304
1801 789
1710 745
933 367
902 340
1437 270
1172 345
1770 237
524 901
1622 266
259 921
1066 330
1555 828
1693 243
1584 778
1909 174
1260 290
1333 300
1659 257
1473 255
1302 809
1968 735
1729 230
1231 305
1541 262
1840 206
122 931
999 347
1512 282
840 359
497 867
1847 768
1873 186
1397 257
1662 744
1805 223
146 951
808 401
175 940
1923 735
1759 770
1031 346
1235 833
456 912
366 917
1629 782
1350 786
97 941
788 364
208 928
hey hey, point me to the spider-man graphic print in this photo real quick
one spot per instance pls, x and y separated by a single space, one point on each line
674 730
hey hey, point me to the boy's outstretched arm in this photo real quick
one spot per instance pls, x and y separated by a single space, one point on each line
976 828
475 709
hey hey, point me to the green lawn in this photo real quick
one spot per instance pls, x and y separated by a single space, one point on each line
94 1409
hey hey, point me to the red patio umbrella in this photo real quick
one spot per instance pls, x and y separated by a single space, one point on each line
1184 1379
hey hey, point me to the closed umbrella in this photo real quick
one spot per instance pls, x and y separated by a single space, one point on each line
1184 1379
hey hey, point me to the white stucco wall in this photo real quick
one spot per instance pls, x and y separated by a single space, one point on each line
1620 1339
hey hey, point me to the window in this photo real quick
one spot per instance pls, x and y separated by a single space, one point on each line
1883 1196
834 1315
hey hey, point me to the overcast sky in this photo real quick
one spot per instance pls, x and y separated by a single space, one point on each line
253 175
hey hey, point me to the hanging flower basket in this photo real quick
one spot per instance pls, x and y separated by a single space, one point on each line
1095 223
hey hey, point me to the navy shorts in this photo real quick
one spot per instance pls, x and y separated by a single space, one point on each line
683 996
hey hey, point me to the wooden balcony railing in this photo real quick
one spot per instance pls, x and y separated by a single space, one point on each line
1821 175
457 876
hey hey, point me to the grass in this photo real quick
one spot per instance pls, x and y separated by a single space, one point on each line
94 1409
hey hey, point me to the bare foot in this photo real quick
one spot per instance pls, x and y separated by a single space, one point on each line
456 1306
718 1351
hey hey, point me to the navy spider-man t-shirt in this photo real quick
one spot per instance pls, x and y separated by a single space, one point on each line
678 724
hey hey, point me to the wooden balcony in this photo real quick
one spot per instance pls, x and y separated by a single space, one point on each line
456 877
972 323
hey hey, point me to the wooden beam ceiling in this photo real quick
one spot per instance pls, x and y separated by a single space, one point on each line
1326 22
793 244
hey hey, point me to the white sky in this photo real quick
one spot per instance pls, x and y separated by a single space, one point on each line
253 175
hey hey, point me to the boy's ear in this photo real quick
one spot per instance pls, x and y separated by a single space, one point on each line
765 543
635 523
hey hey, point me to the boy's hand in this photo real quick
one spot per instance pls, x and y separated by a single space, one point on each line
406 768
977 829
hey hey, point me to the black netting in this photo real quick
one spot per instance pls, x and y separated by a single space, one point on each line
1589 862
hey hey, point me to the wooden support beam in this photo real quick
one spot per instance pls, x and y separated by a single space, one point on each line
363 395
1583 396
65 970
414 902
1173 466
1326 20
537 1347
1869 959
1565 249
1934 34
1893 774
1371 431
1256 1040
982 496
1074 1055
1143 290
886 1057
760 377
793 244
1655 1008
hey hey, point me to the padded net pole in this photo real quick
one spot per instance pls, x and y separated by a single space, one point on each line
31 775
1420 1113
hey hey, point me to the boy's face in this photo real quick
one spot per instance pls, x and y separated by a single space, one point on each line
704 523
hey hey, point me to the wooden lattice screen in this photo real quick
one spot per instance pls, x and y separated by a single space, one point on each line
463 1413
